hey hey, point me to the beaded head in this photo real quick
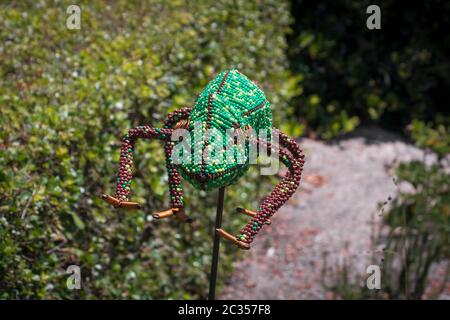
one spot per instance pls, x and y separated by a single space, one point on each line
229 104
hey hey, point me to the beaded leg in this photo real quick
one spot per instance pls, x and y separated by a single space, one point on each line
125 175
177 119
292 157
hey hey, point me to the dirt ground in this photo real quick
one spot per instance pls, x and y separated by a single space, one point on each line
343 183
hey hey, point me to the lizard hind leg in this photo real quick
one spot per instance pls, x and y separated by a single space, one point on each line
179 120
290 154
292 157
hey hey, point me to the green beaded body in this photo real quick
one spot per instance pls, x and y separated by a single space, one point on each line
230 101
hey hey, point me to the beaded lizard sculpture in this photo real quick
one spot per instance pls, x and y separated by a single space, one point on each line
229 101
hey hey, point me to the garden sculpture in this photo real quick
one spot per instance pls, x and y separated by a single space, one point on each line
229 102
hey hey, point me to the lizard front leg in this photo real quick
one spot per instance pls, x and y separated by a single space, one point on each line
125 175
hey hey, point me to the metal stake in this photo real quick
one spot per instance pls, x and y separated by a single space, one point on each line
215 256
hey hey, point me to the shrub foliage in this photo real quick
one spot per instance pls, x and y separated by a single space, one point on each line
68 96
350 75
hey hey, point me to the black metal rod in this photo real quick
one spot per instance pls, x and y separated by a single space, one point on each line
215 256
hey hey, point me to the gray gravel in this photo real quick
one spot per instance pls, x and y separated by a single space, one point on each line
343 183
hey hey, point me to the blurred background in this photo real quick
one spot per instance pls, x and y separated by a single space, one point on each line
370 108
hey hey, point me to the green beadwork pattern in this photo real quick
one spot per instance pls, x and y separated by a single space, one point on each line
229 101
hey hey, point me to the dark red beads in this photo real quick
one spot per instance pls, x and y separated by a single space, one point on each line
292 156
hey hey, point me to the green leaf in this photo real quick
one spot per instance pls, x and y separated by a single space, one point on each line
78 222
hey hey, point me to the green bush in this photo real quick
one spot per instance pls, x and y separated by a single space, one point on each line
418 228
66 99
350 75
419 224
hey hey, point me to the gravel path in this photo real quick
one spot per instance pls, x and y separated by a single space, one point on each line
342 184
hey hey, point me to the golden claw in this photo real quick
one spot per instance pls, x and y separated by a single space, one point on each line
251 214
233 239
163 214
121 204
179 213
